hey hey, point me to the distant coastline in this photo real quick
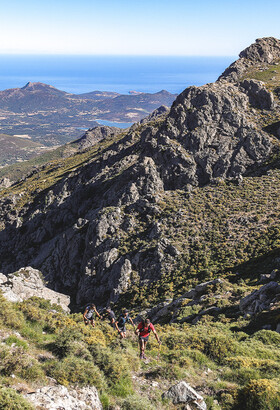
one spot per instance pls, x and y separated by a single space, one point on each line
81 74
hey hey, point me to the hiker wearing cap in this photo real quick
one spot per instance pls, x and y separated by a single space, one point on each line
109 314
143 331
88 314
122 320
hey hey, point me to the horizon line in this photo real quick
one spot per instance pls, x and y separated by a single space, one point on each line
113 55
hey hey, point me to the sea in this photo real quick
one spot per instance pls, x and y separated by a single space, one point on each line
122 74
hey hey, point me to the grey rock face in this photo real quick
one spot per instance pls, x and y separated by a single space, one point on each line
260 299
27 282
162 310
264 51
184 393
61 398
259 96
209 134
77 232
96 134
160 112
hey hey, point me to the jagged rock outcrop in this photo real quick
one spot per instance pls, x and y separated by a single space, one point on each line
171 309
259 96
96 134
184 393
260 299
208 134
28 282
61 398
160 112
264 51
85 233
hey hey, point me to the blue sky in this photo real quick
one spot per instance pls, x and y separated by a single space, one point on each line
135 27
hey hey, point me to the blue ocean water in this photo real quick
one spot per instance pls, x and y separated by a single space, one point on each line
81 74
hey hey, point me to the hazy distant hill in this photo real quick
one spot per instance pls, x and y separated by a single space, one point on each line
14 149
53 117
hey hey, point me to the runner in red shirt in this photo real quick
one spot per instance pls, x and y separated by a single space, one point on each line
143 331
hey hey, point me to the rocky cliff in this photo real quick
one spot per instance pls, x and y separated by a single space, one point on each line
105 222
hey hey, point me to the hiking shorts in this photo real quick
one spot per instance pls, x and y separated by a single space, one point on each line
145 339
89 318
122 329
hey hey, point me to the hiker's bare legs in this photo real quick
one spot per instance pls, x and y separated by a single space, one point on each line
142 347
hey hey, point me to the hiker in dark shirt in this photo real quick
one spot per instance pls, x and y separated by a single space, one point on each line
109 314
143 331
88 314
122 320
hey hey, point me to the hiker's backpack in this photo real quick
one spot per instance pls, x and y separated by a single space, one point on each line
122 320
143 327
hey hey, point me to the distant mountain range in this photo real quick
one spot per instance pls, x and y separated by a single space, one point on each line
53 117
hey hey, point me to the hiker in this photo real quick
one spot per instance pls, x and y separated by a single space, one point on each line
88 314
143 331
109 314
122 320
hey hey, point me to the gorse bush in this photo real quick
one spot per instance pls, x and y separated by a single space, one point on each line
114 365
64 341
73 370
259 394
267 337
10 400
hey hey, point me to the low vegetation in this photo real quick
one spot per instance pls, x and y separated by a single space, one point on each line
231 368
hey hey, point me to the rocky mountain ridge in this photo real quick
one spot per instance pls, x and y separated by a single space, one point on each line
97 228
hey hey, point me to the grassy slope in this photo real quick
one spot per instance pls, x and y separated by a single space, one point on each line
19 170
213 358
15 148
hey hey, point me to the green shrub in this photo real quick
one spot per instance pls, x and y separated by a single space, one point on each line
259 394
72 370
218 347
122 388
241 376
114 365
32 331
200 358
12 339
12 360
267 337
105 400
9 315
80 350
137 402
32 372
64 341
167 371
10 400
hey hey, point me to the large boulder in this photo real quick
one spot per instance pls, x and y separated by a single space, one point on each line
260 299
28 282
61 398
259 96
266 50
184 393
